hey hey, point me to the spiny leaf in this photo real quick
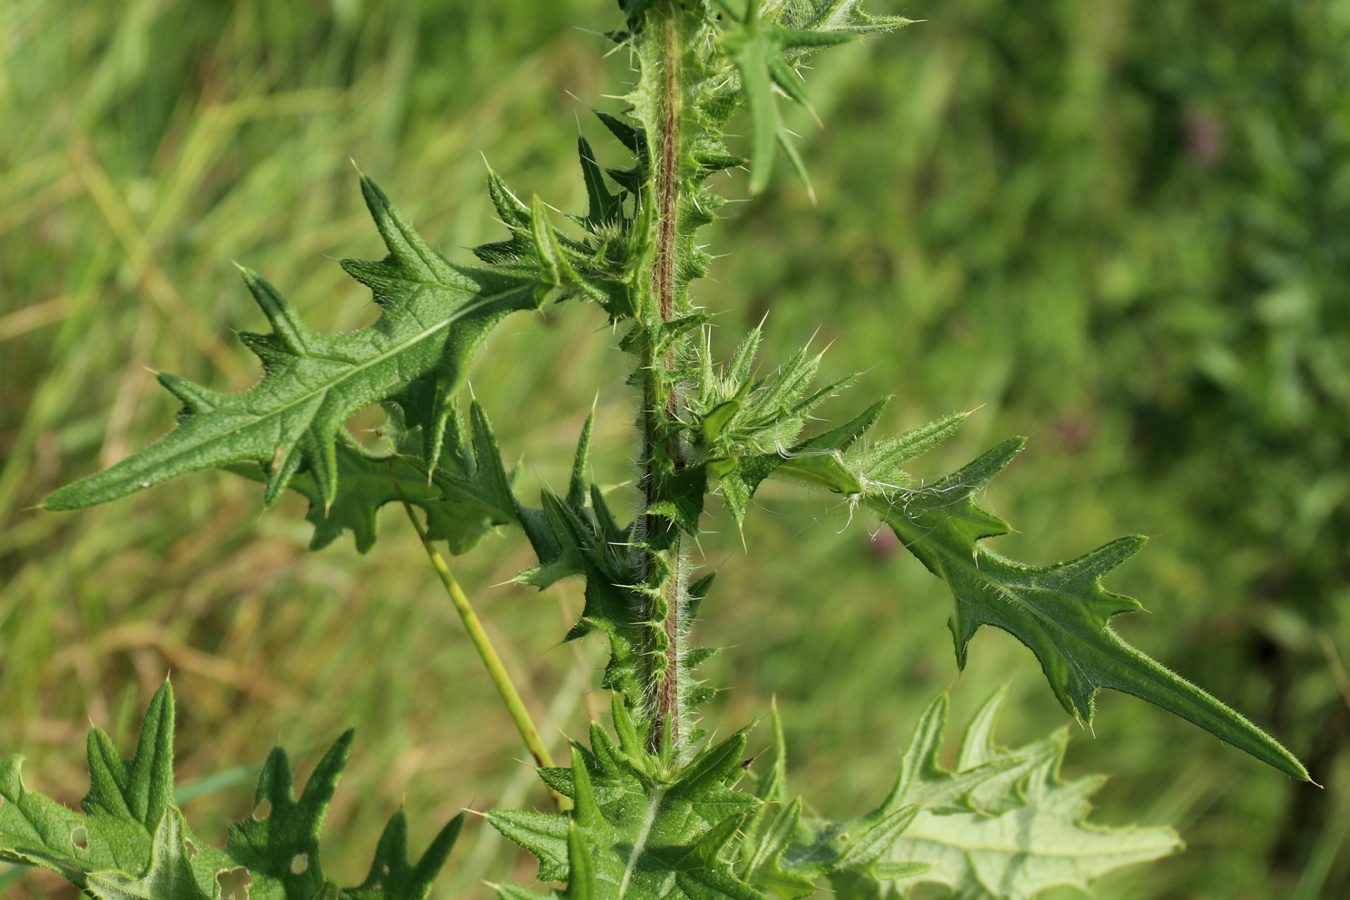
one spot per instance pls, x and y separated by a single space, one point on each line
860 846
887 456
279 844
433 316
760 52
1003 825
1060 612
131 842
555 268
465 496
590 267
283 845
474 475
571 539
579 486
748 429
768 834
604 207
581 883
629 136
515 215
790 851
767 45
125 805
742 364
642 828
762 854
847 16
578 535
392 876
140 788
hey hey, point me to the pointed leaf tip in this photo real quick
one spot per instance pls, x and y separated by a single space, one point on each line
376 199
286 430
996 825
131 843
660 833
1061 612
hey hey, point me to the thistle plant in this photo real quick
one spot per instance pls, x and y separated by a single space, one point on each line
648 805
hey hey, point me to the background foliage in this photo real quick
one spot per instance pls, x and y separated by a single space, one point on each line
1119 230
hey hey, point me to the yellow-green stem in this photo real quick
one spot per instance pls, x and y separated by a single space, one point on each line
483 644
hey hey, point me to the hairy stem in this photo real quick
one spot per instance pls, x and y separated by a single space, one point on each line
662 456
667 178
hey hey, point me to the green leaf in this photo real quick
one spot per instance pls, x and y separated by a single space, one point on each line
766 57
465 496
391 876
786 848
604 208
748 429
764 865
581 882
371 482
474 477
123 810
578 535
555 268
131 841
847 16
170 876
433 316
592 545
139 789
281 848
630 137
1002 825
37 831
640 827
591 267
884 458
770 833
1060 612
579 485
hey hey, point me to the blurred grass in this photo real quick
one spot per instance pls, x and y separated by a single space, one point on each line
1121 231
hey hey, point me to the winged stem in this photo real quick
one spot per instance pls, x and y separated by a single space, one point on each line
663 459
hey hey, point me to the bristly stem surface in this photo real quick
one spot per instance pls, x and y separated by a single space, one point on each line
662 457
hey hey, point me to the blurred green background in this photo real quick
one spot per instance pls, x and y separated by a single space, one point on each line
1120 228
